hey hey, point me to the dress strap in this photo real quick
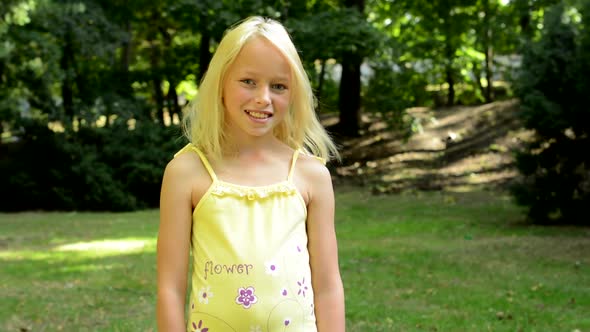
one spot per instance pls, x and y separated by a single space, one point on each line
292 169
206 164
204 160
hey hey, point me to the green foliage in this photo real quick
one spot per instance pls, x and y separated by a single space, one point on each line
391 90
337 31
107 169
138 157
553 88
328 95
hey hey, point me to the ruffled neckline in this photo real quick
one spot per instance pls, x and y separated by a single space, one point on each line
222 188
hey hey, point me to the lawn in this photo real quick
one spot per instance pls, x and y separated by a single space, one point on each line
410 262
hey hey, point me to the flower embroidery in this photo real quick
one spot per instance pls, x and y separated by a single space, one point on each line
302 287
197 328
205 294
284 292
287 321
255 328
246 297
272 268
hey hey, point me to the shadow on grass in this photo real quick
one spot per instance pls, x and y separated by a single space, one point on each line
435 159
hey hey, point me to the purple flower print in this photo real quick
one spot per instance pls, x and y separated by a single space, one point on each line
302 287
200 327
246 297
287 321
284 292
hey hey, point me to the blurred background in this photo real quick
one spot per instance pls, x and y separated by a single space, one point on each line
91 93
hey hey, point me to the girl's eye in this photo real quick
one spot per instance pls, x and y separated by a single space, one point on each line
247 81
279 87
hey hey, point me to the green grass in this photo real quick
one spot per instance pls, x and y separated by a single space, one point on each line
410 262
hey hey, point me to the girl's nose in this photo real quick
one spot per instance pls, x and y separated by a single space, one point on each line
262 96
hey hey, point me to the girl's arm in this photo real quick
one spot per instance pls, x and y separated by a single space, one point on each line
323 250
173 245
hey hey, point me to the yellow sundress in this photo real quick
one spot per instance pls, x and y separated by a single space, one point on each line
251 269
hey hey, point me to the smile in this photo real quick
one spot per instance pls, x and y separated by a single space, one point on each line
259 115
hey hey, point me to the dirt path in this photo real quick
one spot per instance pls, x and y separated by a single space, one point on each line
459 148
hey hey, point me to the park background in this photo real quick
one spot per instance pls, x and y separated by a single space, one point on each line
464 127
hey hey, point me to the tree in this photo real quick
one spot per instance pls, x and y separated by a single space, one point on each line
553 89
347 37
13 13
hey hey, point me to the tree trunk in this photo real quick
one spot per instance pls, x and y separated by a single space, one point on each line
67 93
476 73
173 106
450 58
157 81
489 95
171 97
349 94
204 53
125 87
487 41
349 98
2 82
523 10
451 83
321 84
123 84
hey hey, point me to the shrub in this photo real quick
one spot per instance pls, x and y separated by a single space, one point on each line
553 88
100 169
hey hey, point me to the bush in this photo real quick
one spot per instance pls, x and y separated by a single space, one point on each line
98 169
553 88
31 169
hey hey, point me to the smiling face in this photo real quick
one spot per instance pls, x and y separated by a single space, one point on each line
256 90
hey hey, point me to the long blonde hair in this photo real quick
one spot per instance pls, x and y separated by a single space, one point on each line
204 120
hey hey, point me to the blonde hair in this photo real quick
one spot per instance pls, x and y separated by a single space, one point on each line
204 120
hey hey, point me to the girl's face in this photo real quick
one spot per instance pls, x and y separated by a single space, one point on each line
256 89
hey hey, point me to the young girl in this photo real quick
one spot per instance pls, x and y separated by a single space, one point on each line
251 198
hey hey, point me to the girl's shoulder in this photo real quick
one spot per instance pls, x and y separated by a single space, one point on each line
311 168
311 162
186 162
187 170
312 177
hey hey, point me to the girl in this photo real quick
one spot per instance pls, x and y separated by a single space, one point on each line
251 198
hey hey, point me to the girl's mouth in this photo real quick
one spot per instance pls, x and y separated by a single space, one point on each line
258 115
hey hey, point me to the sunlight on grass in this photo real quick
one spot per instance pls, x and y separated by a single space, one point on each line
127 245
100 248
17 255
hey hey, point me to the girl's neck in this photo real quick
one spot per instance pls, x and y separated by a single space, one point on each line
252 145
